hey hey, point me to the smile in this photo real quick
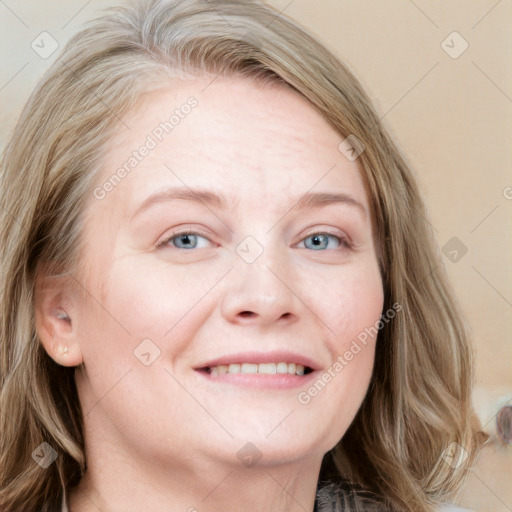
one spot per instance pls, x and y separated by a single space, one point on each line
276 369
261 368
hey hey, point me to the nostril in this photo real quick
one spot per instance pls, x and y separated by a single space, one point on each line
247 314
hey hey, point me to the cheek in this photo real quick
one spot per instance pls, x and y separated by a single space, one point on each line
351 310
350 305
154 301
356 308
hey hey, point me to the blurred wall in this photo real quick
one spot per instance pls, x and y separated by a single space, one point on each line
440 74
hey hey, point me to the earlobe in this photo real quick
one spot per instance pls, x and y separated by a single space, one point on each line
65 354
55 326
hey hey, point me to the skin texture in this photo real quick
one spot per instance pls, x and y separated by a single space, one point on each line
163 436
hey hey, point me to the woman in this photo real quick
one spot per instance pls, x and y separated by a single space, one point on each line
218 285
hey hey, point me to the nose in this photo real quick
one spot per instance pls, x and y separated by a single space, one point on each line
259 293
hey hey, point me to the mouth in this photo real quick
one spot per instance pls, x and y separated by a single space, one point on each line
279 370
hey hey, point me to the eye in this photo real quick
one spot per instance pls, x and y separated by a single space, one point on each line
322 241
186 240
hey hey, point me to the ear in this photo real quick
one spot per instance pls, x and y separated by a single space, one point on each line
55 308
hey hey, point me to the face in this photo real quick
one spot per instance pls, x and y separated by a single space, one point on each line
240 235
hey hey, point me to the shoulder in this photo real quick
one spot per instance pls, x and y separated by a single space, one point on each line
346 497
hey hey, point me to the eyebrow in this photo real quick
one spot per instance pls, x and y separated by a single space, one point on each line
310 200
185 194
318 199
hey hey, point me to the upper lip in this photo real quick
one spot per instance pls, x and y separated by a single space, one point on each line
261 357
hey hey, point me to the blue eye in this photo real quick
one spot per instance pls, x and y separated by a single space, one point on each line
316 241
321 241
187 241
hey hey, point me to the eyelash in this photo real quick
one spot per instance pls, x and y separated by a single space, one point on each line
342 241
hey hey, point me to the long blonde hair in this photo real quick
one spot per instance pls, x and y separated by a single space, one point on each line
418 402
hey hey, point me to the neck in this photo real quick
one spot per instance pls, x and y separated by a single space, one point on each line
118 479
116 482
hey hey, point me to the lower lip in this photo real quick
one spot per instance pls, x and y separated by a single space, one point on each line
258 380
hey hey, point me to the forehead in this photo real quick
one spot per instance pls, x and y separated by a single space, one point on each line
232 133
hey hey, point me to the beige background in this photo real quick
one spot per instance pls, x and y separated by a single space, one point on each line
451 116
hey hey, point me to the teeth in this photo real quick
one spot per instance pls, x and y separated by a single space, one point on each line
263 368
281 368
247 368
267 368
